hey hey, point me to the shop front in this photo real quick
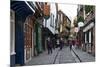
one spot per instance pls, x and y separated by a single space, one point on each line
88 37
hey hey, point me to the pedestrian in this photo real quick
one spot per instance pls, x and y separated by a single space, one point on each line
53 42
61 44
49 46
57 43
70 44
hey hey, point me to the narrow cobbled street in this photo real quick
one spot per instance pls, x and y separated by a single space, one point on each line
51 33
61 56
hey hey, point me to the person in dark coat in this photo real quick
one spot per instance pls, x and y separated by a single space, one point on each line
53 43
70 44
49 46
61 44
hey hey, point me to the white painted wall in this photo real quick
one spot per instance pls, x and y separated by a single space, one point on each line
52 11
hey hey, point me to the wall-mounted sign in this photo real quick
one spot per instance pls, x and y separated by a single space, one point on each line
76 29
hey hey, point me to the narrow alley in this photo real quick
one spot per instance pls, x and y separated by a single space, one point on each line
51 33
61 56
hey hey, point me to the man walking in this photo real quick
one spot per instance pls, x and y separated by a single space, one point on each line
49 46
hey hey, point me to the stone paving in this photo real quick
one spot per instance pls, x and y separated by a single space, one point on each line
61 56
84 56
43 58
66 56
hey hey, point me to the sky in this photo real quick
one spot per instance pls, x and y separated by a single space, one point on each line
69 9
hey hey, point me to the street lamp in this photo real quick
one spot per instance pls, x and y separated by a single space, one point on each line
80 24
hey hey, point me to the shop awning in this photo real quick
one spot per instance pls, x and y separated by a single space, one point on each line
21 8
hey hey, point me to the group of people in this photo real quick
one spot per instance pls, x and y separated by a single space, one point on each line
51 44
73 43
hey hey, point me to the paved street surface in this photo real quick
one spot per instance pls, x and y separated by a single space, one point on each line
84 56
65 56
61 56
43 58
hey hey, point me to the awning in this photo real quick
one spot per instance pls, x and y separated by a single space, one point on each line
21 8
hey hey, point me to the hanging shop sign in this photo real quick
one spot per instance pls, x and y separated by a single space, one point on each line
76 29
80 24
